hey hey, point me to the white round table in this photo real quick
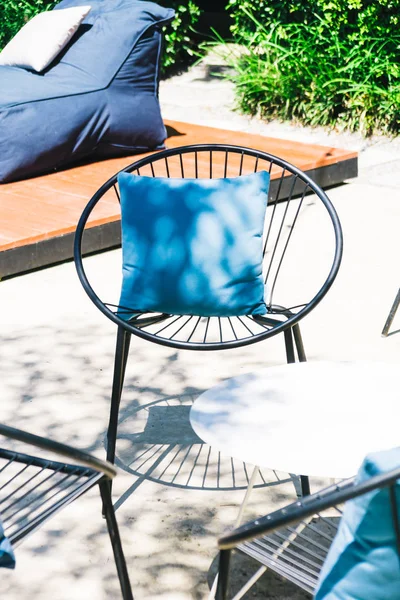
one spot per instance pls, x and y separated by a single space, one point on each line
317 418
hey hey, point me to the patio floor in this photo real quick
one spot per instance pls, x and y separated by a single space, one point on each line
56 367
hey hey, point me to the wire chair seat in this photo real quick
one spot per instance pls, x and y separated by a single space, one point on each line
296 553
207 332
36 489
294 541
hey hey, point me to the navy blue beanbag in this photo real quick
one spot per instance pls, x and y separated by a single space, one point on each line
98 98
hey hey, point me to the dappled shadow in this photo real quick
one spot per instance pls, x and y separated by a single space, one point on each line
156 442
214 72
56 382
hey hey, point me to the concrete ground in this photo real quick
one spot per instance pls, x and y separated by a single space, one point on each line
56 368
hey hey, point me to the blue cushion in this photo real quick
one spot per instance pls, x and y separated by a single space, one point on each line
98 98
7 558
193 246
363 562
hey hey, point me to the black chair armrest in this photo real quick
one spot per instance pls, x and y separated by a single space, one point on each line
83 458
306 507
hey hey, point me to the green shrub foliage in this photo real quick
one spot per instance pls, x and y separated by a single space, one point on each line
266 12
347 17
178 47
320 62
14 14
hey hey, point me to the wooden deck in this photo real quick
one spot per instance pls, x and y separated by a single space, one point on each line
39 215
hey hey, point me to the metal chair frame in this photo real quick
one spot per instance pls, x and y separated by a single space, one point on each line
33 489
289 187
294 541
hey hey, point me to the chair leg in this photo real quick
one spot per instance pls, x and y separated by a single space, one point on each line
391 315
305 485
121 357
113 531
298 340
223 576
289 335
290 357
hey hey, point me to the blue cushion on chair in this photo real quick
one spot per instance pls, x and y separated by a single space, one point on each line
193 246
363 562
7 558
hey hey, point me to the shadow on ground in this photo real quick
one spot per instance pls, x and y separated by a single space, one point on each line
174 495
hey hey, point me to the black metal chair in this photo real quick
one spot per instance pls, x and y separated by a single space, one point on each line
33 489
294 541
287 255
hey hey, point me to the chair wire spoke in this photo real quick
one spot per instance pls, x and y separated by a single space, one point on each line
194 329
286 245
232 327
167 166
23 485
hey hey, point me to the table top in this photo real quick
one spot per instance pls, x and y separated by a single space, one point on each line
315 418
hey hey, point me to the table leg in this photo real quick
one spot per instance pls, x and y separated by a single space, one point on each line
237 523
246 496
213 588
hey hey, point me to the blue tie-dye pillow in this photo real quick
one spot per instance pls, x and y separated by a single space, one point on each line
193 246
363 562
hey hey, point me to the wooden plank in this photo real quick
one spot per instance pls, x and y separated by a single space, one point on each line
39 215
304 156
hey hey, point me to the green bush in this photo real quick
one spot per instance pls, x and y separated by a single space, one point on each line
14 14
178 48
267 12
342 68
179 45
349 17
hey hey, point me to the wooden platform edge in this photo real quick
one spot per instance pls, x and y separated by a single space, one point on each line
106 236
47 253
